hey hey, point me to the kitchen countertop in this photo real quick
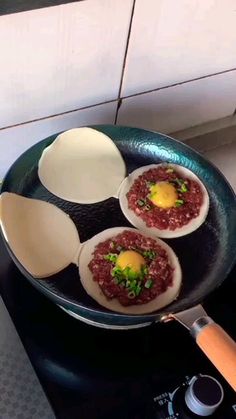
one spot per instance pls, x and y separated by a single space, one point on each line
224 158
218 146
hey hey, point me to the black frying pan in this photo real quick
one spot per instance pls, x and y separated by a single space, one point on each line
206 255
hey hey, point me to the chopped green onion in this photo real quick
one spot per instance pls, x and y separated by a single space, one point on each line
132 275
150 184
111 257
119 248
131 294
143 273
141 202
129 274
125 272
179 202
145 270
138 289
133 285
150 254
147 207
116 271
182 186
121 281
177 181
148 284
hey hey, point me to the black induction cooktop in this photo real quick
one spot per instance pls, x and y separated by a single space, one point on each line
91 373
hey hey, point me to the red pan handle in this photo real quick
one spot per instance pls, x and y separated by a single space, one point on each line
219 348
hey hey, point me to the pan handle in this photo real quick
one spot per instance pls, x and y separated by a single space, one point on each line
217 345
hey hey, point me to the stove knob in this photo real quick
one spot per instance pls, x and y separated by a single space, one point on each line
204 395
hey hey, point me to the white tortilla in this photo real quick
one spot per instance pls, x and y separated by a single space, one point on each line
93 289
82 165
42 237
139 223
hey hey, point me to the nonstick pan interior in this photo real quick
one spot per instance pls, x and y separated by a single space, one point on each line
206 255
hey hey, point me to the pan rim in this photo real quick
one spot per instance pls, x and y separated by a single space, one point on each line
69 303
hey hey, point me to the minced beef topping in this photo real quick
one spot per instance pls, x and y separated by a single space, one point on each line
190 199
156 276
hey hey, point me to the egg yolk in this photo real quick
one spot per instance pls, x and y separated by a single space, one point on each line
130 259
163 195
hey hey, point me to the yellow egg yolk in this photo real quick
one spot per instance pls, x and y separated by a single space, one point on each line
163 195
130 259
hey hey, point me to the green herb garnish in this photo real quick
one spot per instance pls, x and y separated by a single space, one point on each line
145 270
150 254
119 248
179 202
131 294
130 279
143 273
183 188
182 185
111 257
150 183
179 182
127 284
141 202
151 195
138 289
147 207
148 284
132 275
116 272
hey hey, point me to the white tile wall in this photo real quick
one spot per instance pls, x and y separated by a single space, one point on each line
178 40
175 108
61 58
14 141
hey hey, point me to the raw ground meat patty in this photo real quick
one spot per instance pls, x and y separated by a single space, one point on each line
171 218
158 271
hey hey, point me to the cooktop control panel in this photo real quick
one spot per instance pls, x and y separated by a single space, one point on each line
197 396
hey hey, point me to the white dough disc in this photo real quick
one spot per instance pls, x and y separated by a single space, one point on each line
93 289
82 165
42 237
140 224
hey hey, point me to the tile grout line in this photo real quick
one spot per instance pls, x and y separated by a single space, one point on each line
179 83
119 99
124 61
43 118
